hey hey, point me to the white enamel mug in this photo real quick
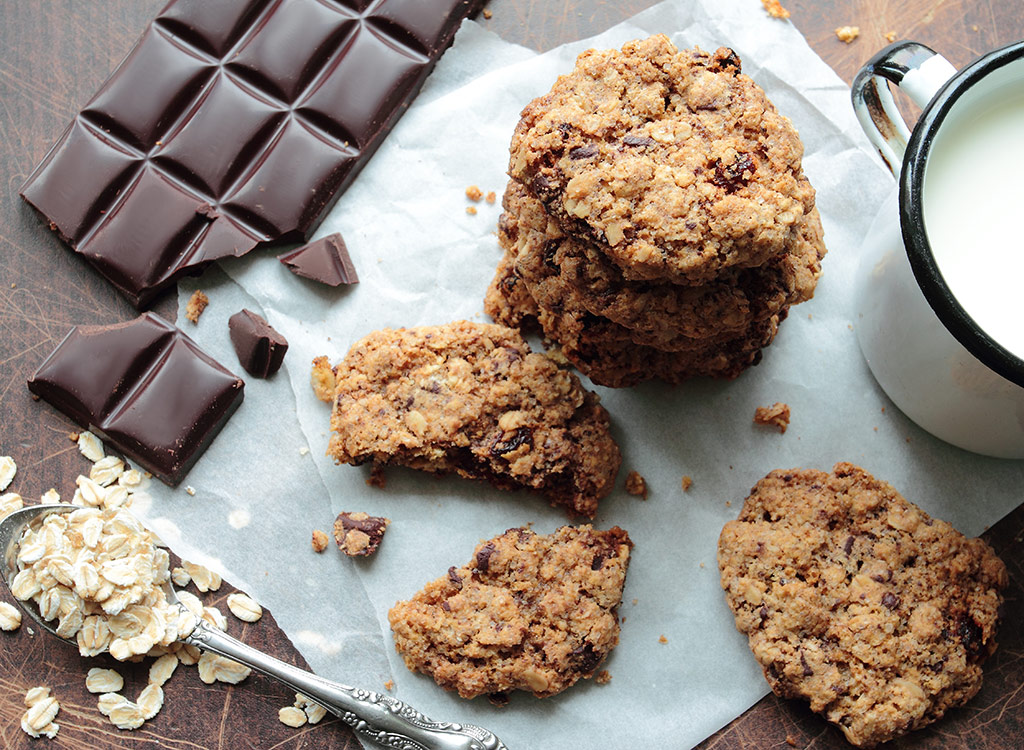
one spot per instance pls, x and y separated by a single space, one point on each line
941 281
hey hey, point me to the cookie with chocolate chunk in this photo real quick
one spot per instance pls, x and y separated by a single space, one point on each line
563 272
859 602
528 612
673 161
471 398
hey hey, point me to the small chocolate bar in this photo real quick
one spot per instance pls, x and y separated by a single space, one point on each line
230 124
259 347
143 386
325 260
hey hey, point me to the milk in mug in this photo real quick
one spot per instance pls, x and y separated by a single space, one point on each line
973 198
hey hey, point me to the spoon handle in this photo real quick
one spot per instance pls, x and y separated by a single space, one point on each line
380 718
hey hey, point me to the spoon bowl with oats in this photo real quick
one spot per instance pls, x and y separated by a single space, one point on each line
98 579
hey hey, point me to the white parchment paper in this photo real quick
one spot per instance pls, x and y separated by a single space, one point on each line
423 260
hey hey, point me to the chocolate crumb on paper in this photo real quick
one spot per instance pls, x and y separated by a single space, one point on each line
776 415
195 306
359 534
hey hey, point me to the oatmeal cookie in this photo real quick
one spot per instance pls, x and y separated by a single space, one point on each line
529 612
674 161
856 600
471 398
562 271
607 354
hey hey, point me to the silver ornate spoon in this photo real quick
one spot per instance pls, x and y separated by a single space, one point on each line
377 717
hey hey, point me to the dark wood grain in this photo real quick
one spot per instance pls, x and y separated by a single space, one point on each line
54 54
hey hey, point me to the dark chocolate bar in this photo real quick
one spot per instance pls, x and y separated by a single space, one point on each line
145 387
325 260
259 347
230 124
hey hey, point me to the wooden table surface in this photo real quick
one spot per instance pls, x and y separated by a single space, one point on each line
54 54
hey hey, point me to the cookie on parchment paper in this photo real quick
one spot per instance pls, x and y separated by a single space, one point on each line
857 601
471 398
530 611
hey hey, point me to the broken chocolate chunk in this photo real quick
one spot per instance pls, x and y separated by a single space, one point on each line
583 152
259 347
143 386
325 260
638 140
359 534
733 176
483 557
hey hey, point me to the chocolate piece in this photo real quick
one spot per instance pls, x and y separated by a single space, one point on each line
359 534
231 124
143 386
259 347
325 260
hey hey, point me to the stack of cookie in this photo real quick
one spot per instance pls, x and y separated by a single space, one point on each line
658 224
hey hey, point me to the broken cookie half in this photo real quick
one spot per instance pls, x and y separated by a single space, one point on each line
529 612
859 602
470 398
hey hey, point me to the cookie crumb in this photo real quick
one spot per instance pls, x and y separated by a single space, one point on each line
322 379
775 9
195 306
662 639
487 13
776 415
471 210
636 485
790 741
73 437
474 193
377 477
687 482
890 36
847 33
359 534
389 685
319 540
190 490
491 197
603 677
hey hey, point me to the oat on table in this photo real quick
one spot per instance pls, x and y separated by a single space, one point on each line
857 601
529 612
674 161
471 398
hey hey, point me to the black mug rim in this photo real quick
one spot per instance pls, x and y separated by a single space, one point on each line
922 261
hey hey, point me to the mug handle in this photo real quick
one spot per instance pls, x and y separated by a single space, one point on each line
920 71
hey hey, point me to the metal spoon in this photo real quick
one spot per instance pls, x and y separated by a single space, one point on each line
380 718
